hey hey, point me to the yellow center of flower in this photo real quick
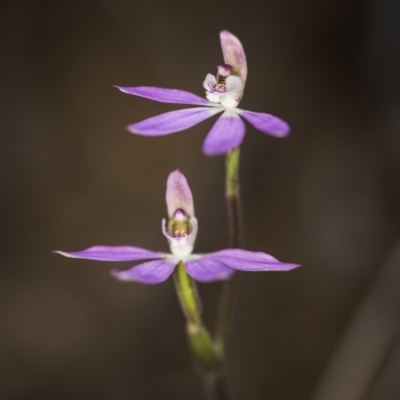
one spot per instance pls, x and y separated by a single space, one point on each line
179 225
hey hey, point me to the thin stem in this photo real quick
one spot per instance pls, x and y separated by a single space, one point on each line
188 295
209 354
233 201
235 221
227 304
199 339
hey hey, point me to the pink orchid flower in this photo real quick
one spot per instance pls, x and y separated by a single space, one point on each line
223 92
180 231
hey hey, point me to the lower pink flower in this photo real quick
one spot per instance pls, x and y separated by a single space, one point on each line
180 231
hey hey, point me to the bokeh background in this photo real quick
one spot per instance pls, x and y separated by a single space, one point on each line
327 197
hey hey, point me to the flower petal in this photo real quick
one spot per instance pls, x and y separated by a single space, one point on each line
226 134
112 253
166 95
245 260
234 54
210 82
266 123
234 92
150 272
208 270
178 195
174 121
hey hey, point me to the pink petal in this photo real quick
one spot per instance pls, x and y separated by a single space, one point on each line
166 95
245 260
208 270
226 134
150 272
266 123
234 54
173 121
112 253
178 195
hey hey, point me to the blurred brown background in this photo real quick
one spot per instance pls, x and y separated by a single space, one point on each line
326 197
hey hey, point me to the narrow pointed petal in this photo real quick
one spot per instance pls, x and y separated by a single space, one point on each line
178 195
245 260
112 253
226 134
234 54
174 121
150 272
266 123
162 95
208 270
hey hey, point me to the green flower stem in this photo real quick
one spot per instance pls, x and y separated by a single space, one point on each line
208 353
232 173
199 339
235 221
188 296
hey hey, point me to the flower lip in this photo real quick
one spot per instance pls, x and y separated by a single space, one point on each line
226 90
181 237
179 225
213 84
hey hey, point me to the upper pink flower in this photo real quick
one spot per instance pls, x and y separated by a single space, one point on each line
223 93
